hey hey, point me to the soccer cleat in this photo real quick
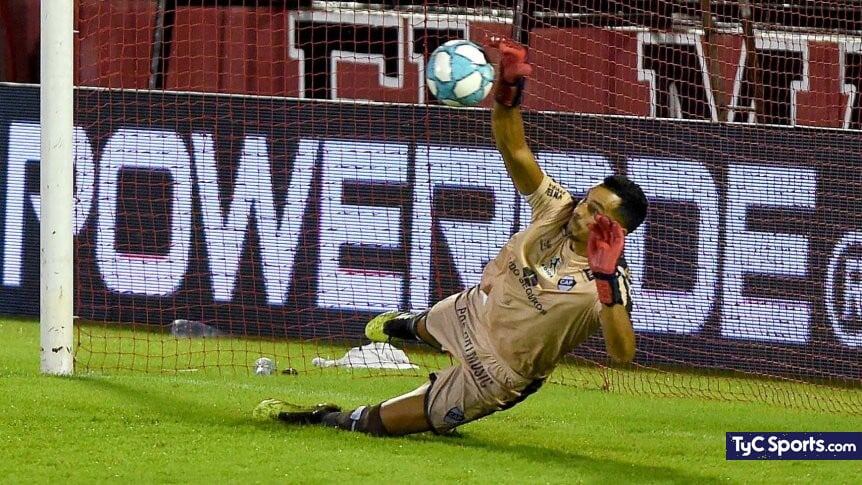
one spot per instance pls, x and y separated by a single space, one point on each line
291 413
375 329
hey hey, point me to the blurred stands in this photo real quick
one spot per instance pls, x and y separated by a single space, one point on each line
243 46
19 40
208 37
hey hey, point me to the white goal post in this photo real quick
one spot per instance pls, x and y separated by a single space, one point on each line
56 187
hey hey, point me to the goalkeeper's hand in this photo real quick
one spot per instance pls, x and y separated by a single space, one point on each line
604 248
513 69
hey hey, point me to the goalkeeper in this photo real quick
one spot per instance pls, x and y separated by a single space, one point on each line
550 287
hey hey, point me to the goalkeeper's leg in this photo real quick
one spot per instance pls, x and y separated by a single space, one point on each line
405 326
396 417
455 396
432 326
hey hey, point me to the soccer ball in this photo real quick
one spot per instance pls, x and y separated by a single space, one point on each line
459 74
264 366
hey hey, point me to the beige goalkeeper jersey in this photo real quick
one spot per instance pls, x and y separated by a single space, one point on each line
541 297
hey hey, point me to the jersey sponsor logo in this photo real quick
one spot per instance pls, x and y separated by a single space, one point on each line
530 277
472 359
554 191
550 266
566 283
528 281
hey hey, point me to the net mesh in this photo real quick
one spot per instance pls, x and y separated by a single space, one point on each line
279 172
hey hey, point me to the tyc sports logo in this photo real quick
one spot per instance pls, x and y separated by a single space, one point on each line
794 446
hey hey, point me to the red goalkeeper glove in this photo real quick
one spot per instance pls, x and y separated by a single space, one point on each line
513 68
604 248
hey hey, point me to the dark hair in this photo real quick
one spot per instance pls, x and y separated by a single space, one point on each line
633 208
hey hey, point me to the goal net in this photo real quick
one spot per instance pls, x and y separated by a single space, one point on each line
278 171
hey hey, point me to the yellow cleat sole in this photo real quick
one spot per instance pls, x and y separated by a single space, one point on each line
374 327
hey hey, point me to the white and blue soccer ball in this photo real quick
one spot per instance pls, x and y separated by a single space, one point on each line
459 74
264 366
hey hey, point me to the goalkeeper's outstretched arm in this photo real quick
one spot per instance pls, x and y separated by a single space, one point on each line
604 248
506 121
508 128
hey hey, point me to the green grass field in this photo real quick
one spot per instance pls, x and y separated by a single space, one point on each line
197 427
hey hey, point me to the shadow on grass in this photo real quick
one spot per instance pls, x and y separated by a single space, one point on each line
192 410
167 403
590 467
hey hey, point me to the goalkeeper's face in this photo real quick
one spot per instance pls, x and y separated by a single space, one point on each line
599 200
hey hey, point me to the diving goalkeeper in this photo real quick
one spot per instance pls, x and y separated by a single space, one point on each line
550 287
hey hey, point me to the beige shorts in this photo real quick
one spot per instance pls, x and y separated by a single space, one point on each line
480 384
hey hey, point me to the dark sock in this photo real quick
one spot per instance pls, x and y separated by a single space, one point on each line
364 419
403 327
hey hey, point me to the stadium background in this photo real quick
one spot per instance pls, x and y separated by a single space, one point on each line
212 196
770 289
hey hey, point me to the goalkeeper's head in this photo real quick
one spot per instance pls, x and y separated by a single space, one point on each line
616 197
